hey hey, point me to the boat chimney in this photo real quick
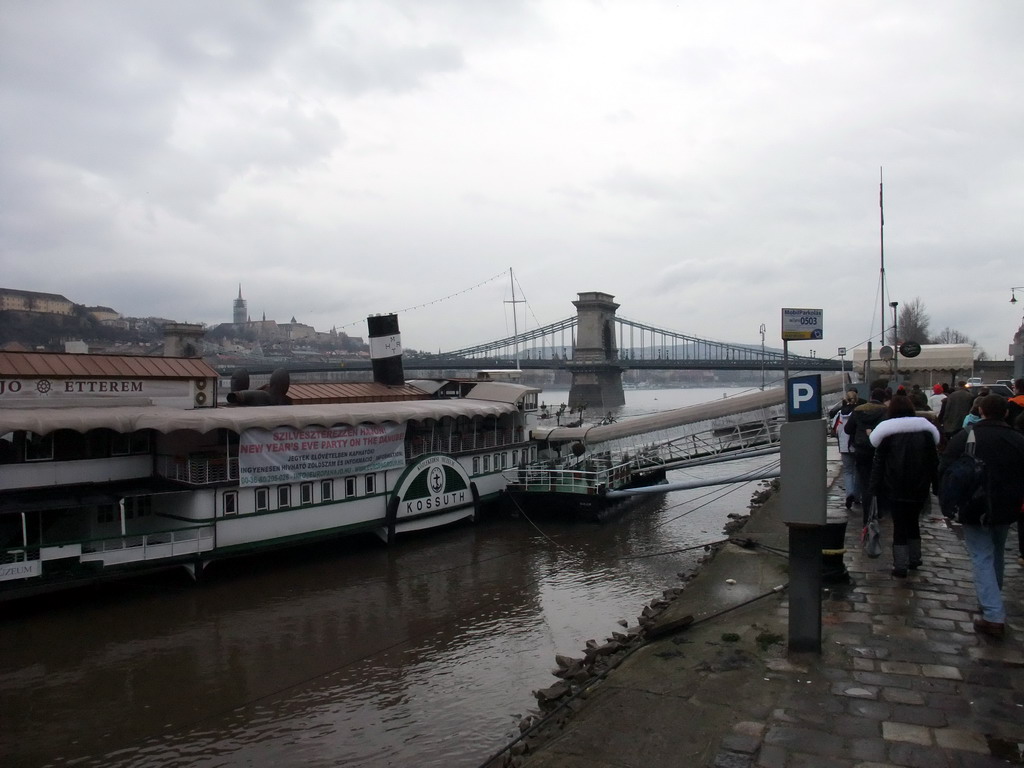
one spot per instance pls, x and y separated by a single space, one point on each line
386 350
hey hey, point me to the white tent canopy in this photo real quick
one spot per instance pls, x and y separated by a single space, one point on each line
933 357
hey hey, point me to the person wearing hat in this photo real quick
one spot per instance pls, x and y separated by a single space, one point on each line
936 397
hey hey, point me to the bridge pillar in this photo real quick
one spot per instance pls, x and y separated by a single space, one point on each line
596 373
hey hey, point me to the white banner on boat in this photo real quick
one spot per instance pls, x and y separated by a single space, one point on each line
286 455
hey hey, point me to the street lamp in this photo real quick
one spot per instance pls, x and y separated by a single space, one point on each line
1013 295
763 329
895 343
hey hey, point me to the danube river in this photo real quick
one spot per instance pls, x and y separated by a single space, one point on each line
349 653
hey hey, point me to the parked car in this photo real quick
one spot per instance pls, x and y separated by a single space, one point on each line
995 389
974 381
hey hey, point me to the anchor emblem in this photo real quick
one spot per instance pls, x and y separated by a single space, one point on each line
436 479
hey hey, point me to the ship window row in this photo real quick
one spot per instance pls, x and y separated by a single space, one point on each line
22 446
283 494
500 461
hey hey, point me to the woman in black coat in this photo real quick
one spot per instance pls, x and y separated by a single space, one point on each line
903 473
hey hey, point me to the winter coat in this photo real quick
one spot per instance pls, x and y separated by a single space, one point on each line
1002 449
957 405
906 458
839 416
864 419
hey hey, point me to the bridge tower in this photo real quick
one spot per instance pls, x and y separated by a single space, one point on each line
596 373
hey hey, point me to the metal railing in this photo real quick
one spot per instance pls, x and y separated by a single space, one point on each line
613 468
198 470
149 546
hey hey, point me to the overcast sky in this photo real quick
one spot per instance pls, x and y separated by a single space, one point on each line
708 163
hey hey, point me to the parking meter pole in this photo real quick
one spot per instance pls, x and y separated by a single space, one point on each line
803 504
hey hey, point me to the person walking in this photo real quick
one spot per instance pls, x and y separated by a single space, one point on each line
864 419
839 415
955 408
919 398
903 472
987 521
1015 418
936 398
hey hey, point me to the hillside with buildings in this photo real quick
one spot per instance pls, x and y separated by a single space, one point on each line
49 322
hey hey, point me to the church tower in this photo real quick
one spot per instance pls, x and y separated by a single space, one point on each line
241 312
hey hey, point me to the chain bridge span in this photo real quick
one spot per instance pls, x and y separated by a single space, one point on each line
596 347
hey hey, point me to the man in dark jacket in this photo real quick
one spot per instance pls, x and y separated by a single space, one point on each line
955 408
1002 449
864 419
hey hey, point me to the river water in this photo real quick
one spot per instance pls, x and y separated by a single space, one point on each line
347 653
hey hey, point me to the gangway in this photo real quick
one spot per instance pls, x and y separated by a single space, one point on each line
579 467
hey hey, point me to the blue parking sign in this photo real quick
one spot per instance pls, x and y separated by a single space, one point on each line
803 397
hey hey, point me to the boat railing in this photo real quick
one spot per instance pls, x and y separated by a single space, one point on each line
462 442
12 556
198 469
149 546
615 467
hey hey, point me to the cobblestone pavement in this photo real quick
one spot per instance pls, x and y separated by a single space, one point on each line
907 680
902 678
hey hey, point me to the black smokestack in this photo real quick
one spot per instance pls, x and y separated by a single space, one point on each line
386 350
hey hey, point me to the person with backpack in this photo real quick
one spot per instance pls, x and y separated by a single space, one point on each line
839 416
987 517
864 419
903 472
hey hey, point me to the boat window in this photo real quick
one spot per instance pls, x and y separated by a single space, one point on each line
350 487
326 490
371 482
515 457
284 496
8 453
306 493
262 499
476 465
140 441
497 462
230 503
137 506
105 513
38 447
487 463
120 444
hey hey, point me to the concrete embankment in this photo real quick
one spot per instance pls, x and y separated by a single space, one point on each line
902 678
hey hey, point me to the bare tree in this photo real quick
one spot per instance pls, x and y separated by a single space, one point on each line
953 336
912 323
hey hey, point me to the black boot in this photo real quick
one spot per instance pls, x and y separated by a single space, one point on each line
900 560
915 553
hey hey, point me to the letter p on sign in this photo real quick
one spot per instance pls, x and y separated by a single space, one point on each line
803 398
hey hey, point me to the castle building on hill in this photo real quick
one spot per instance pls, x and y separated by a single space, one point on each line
241 311
32 301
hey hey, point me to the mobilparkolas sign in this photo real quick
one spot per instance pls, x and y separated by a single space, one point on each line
433 484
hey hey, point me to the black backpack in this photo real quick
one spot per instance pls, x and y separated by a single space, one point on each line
964 488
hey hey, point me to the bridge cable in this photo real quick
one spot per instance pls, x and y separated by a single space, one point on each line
435 301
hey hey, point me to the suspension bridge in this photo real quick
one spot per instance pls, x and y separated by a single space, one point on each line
596 346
